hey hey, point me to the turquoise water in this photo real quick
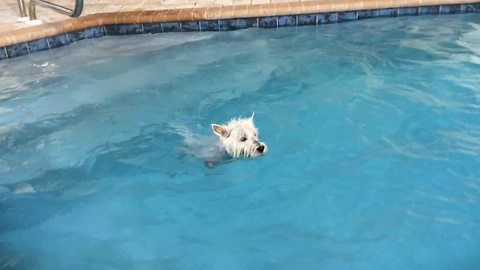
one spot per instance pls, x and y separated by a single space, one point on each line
373 130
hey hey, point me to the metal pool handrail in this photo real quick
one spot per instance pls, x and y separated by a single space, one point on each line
60 9
21 8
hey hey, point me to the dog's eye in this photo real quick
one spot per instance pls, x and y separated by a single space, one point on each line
243 139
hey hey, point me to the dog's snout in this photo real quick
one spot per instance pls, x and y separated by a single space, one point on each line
261 148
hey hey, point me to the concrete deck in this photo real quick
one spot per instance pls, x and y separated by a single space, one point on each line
9 11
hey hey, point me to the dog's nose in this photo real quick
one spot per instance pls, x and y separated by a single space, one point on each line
261 148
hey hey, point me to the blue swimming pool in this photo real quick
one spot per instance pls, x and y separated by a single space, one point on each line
373 130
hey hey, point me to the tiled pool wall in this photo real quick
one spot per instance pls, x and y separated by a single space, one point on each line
25 48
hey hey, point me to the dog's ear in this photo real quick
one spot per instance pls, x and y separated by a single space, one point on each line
220 131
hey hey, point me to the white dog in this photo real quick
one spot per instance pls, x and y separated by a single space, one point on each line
238 138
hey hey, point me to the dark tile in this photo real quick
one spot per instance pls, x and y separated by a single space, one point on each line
327 17
367 14
347 16
450 9
243 24
74 36
232 24
38 45
209 25
123 29
152 28
3 53
475 7
94 32
432 10
307 19
252 22
468 8
17 50
409 11
171 27
267 22
388 12
58 41
111 30
131 29
287 21
190 26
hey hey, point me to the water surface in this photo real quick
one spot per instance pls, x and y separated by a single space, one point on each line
373 130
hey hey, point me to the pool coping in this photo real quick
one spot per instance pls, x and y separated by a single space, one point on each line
52 35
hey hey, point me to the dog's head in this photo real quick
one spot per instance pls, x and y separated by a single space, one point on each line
240 138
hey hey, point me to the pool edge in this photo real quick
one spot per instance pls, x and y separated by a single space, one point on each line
53 35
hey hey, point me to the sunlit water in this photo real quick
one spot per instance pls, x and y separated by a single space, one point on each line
374 163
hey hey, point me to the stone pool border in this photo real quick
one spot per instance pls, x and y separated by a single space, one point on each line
53 35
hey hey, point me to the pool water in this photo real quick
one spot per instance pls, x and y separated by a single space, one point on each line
373 130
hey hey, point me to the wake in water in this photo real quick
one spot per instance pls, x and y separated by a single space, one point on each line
207 148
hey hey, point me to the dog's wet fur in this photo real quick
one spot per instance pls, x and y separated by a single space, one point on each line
236 139
240 138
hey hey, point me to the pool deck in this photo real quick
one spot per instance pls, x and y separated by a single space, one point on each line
108 12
